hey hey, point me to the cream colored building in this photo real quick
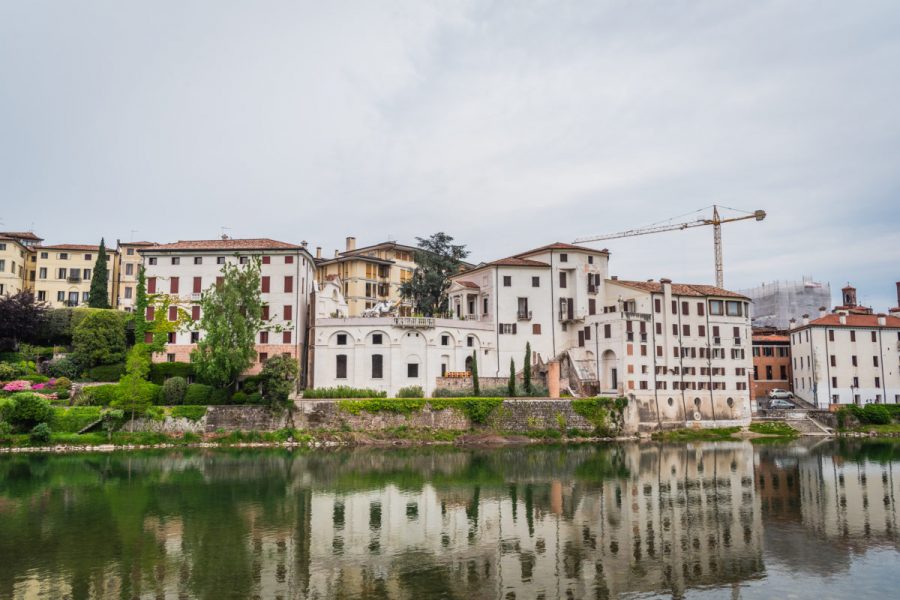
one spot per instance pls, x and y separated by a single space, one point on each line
63 273
127 278
14 257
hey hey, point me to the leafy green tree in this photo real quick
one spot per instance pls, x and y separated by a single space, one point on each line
476 387
437 259
526 372
161 326
231 318
136 394
99 294
27 409
277 379
21 317
99 339
141 302
511 385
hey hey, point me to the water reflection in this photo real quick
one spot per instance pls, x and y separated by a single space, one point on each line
576 522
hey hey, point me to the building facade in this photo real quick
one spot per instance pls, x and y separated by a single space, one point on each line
771 363
127 279
185 269
14 258
850 356
774 304
63 274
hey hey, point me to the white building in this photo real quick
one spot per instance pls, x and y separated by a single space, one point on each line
846 357
682 351
185 269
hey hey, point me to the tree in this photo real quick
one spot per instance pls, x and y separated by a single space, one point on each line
162 325
436 260
277 379
99 294
135 392
140 307
21 317
231 319
99 339
476 388
511 386
526 372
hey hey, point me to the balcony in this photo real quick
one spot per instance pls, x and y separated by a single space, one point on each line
568 317
71 279
414 322
636 316
592 289
196 297
523 315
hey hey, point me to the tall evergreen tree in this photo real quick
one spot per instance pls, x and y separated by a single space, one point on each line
436 260
511 386
99 294
475 385
141 302
526 372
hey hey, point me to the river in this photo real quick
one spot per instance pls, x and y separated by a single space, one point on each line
807 519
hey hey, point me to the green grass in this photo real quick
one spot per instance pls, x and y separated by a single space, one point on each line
889 428
778 428
188 411
376 405
697 435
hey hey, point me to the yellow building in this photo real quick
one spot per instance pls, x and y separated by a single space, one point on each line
126 281
13 265
63 274
370 275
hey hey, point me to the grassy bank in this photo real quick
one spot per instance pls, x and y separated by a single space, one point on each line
777 428
697 435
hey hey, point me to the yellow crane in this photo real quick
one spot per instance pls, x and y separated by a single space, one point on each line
716 221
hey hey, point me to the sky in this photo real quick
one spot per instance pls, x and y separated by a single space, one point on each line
507 125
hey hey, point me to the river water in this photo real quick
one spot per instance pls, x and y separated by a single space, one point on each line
809 519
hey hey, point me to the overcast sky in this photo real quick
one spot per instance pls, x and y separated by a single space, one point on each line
506 124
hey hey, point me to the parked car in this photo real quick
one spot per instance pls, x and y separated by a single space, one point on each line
781 404
781 394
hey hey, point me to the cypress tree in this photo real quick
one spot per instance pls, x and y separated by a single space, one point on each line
526 372
475 387
99 294
511 386
140 307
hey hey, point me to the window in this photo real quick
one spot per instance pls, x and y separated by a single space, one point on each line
852 336
195 337
266 260
129 268
88 257
874 337
377 366
176 260
535 282
265 312
700 309
563 257
61 296
265 282
590 260
173 313
470 341
288 312
853 360
171 337
170 357
288 284
445 340
485 311
536 329
128 293
684 308
831 335
151 285
86 274
715 307
42 296
264 356
63 256
562 279
376 339
195 313
130 252
412 370
198 260
509 328
44 255
701 330
674 307
173 285
768 371
43 273
686 330
286 337
507 280
607 331
341 366
878 382
592 306
733 309
263 337
342 339
220 260
244 260
288 260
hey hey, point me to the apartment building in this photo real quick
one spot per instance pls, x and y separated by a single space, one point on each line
63 273
129 264
185 269
14 257
771 362
682 351
850 356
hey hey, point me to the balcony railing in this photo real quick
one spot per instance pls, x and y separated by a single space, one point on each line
71 279
196 297
523 315
566 316
630 315
592 289
414 322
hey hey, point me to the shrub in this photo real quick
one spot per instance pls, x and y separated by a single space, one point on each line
251 384
239 397
74 419
343 392
19 385
605 414
64 368
277 379
375 405
190 412
8 371
197 393
36 378
876 414
100 395
63 394
27 410
99 339
174 390
5 432
40 434
218 396
160 372
255 398
413 391
63 383
106 372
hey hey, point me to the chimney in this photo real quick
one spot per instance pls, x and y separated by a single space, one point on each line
849 294
882 319
822 311
351 243
319 252
615 277
793 323
805 320
335 253
898 293
304 243
842 318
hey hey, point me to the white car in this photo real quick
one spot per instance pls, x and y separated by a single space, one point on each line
780 394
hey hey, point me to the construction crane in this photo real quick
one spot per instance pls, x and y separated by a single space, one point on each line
716 221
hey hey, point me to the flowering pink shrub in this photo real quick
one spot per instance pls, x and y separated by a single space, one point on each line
38 386
18 385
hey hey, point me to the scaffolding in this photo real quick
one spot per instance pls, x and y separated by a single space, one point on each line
776 303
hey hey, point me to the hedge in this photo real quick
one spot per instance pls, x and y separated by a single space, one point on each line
190 412
73 420
343 392
106 372
159 372
99 395
198 393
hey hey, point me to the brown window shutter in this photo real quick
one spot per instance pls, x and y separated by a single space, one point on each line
288 260
288 284
287 337
515 326
198 285
151 312
265 284
266 260
151 285
173 285
195 313
173 313
148 338
265 312
288 312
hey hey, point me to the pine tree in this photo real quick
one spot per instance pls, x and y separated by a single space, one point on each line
526 372
437 259
475 387
511 386
99 294
140 307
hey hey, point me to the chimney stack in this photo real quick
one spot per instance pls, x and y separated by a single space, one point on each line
842 318
805 320
319 252
822 311
882 319
336 254
304 243
351 243
792 324
898 293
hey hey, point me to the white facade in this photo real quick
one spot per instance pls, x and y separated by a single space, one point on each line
184 270
847 359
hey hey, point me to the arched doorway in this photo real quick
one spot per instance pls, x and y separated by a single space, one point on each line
469 363
609 371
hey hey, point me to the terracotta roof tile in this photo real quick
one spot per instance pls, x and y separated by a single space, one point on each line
772 338
562 246
834 320
228 244
515 261
25 235
679 289
74 247
469 284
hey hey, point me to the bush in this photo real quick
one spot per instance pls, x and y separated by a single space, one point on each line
40 434
100 395
19 385
413 391
876 414
251 384
174 390
63 383
63 394
99 339
74 419
9 371
64 367
5 432
239 397
190 412
277 379
375 405
160 372
476 409
27 410
36 378
255 398
106 372
218 396
343 392
197 393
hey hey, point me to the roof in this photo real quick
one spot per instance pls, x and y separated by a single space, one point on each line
469 284
138 244
515 261
868 321
348 257
73 247
679 289
24 235
360 252
562 246
227 244
772 338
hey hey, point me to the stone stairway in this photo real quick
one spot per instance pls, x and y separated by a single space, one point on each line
808 426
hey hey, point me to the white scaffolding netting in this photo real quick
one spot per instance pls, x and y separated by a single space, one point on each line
776 303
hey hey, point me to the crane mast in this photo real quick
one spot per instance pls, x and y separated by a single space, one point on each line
716 221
